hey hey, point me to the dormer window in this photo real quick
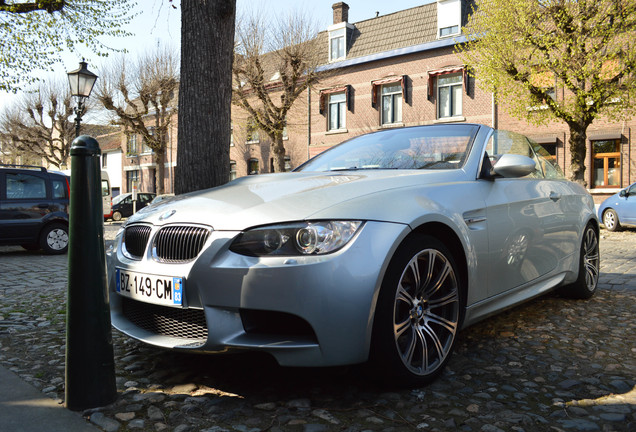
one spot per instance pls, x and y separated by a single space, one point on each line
449 17
338 42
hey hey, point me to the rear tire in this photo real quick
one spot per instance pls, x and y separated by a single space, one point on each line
610 220
589 263
418 314
116 216
54 239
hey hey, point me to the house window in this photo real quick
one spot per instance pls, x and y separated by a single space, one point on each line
252 132
449 15
607 163
448 31
252 166
104 160
337 44
449 95
132 179
287 164
392 103
132 146
146 148
231 134
337 111
232 170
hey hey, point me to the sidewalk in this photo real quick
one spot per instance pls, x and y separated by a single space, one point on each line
25 409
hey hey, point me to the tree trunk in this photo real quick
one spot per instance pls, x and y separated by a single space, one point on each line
578 151
205 94
278 153
160 171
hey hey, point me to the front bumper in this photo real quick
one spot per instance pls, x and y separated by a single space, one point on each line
305 311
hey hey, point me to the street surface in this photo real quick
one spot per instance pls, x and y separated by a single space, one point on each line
549 365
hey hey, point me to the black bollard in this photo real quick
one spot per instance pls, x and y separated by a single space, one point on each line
90 363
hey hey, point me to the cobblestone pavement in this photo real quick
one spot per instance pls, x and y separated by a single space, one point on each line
549 365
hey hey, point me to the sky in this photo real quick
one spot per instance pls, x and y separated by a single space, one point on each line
159 22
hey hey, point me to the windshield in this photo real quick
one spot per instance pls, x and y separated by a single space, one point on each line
120 198
420 147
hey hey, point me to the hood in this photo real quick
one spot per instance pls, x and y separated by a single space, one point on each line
271 198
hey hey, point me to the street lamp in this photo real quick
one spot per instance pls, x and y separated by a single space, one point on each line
82 81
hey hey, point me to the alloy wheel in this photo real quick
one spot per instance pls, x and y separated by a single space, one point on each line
591 258
426 312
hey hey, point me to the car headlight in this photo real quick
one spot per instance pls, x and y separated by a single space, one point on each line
298 238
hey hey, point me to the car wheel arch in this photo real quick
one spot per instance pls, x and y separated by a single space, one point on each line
444 234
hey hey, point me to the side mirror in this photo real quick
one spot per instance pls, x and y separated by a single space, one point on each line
513 166
623 193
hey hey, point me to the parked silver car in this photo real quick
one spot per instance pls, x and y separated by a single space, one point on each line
379 249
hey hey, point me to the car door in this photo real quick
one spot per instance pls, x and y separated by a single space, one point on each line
529 227
25 202
627 208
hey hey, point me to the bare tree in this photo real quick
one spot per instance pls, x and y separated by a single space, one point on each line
142 96
273 66
41 124
207 41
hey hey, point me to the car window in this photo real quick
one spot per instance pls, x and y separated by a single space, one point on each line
25 186
430 147
632 189
59 189
506 142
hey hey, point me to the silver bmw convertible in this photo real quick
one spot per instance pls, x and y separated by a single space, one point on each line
378 250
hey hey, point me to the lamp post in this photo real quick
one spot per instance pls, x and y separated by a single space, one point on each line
81 81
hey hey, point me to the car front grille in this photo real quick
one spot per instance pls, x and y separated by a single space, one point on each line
135 240
186 324
178 244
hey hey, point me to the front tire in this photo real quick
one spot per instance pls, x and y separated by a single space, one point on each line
589 264
610 220
54 239
418 314
116 216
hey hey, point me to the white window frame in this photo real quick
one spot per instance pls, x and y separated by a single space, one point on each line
453 88
340 105
394 99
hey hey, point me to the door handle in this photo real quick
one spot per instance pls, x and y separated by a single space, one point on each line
555 196
43 206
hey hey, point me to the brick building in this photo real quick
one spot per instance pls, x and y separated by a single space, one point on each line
401 70
390 71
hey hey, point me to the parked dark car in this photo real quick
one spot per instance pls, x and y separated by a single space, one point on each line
34 208
123 204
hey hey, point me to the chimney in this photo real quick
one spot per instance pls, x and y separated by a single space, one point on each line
340 12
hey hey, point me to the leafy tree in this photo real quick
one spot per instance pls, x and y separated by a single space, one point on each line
41 124
142 96
273 66
205 91
34 33
522 49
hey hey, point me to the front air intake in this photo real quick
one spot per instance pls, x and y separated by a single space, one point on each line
179 244
135 240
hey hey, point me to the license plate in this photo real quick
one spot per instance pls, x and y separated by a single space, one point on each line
161 290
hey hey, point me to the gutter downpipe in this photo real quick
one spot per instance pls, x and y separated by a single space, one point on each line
308 120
